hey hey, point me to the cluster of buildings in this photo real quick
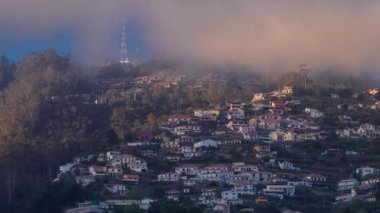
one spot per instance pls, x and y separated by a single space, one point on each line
367 131
360 186
234 182
115 164
186 139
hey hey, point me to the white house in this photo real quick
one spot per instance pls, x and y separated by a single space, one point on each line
216 176
208 197
116 188
213 168
347 184
367 130
279 191
188 169
138 166
259 177
266 121
300 183
244 188
235 114
114 171
286 165
115 162
146 203
98 170
241 177
365 170
127 159
186 129
207 115
222 208
215 172
168 177
190 182
177 119
231 197
113 154
315 178
314 113
189 151
243 167
206 144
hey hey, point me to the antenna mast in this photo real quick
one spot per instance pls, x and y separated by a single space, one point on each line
123 50
304 71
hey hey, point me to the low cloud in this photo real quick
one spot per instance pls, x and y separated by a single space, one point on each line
264 35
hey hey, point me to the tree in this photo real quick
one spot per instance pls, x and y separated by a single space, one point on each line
119 122
7 69
151 121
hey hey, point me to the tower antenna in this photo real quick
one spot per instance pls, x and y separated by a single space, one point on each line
304 71
123 49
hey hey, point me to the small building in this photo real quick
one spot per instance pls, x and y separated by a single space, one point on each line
138 166
258 97
286 165
277 135
244 188
177 119
347 184
131 178
315 177
209 143
85 180
236 114
261 148
231 197
364 171
243 167
221 208
116 188
290 136
278 107
113 155
207 115
168 177
98 170
114 171
279 191
188 169
288 90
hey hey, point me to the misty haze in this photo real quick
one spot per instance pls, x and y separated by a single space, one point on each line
202 106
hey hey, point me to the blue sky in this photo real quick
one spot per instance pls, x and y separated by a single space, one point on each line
17 46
